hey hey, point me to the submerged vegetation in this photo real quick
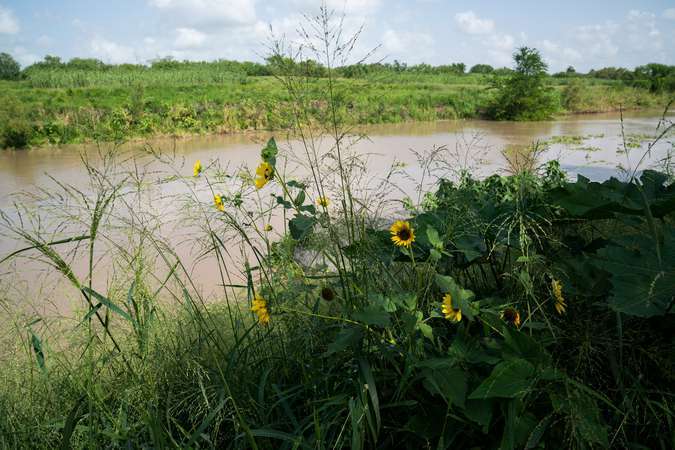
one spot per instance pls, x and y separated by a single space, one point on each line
519 311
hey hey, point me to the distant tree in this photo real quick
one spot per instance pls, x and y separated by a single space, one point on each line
570 70
86 64
503 71
524 94
656 77
482 68
9 68
53 61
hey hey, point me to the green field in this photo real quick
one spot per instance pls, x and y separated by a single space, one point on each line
59 106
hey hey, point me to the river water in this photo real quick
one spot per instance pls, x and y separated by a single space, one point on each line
593 148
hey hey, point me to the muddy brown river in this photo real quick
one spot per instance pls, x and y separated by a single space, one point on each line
590 145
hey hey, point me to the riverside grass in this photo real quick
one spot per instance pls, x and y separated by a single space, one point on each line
146 104
453 341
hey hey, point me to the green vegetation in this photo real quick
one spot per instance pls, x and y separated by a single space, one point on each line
85 100
521 311
9 68
524 95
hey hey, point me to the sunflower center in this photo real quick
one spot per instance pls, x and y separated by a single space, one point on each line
404 234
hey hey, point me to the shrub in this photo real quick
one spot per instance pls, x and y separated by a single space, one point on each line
16 134
524 95
9 68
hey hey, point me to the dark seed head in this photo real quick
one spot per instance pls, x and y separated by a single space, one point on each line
404 234
327 294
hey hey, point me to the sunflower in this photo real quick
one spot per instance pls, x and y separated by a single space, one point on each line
323 201
452 314
218 201
197 168
511 316
263 174
402 234
560 305
259 307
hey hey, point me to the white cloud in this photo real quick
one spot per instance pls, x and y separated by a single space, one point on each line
9 24
349 7
112 52
208 13
24 57
189 38
557 56
669 13
470 23
500 48
44 41
597 40
408 46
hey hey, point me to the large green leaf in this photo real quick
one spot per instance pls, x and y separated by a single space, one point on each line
605 200
641 285
300 226
441 378
373 315
508 379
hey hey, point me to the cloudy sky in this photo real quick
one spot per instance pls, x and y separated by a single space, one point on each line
584 34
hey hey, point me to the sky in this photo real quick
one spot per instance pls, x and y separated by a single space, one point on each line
583 34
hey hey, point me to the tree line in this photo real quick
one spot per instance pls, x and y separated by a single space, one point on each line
653 76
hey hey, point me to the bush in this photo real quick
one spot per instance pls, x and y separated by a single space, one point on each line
16 134
9 68
524 95
482 68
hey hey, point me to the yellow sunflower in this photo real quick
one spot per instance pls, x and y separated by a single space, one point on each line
218 201
511 316
259 307
263 174
402 234
197 168
323 201
452 314
560 305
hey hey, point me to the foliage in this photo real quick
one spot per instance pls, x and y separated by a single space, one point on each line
520 311
524 95
481 68
9 68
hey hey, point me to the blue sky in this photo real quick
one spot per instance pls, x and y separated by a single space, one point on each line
584 34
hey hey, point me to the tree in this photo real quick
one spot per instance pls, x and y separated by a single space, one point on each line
9 68
482 68
524 94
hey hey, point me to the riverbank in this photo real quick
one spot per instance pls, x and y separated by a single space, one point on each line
36 116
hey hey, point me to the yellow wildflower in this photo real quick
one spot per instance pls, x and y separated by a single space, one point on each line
197 169
511 316
452 314
323 201
263 174
259 307
218 201
560 305
402 234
